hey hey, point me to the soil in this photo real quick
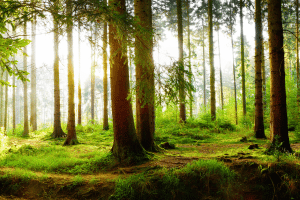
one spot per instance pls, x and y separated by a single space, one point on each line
60 186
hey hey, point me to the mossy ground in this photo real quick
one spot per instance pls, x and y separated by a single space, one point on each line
40 167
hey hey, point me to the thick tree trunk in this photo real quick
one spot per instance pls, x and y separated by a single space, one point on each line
57 132
79 83
211 62
71 136
278 113
243 60
33 120
126 144
259 114
182 114
26 128
144 75
221 82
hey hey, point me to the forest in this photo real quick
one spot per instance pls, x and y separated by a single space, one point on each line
148 99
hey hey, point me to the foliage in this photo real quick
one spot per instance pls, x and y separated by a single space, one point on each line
209 177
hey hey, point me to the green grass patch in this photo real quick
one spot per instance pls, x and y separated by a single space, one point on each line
205 178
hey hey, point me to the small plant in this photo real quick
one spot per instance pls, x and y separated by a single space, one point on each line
77 180
275 149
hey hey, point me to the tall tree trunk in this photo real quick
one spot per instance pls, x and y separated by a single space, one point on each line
259 114
182 114
204 70
190 56
14 98
221 82
263 71
126 144
278 113
33 120
1 99
93 67
211 62
297 56
105 86
6 103
26 128
144 75
234 81
57 131
79 83
71 136
243 59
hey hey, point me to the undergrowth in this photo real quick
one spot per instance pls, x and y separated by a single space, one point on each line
202 179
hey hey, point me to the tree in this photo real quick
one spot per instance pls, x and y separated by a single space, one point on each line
93 67
144 75
259 114
71 136
204 69
189 61
33 117
105 92
14 98
211 62
57 131
1 100
126 143
243 59
180 63
278 112
221 82
26 128
79 83
297 51
6 103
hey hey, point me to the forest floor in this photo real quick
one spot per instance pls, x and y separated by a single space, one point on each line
26 172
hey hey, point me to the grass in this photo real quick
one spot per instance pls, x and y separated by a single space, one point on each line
41 153
201 176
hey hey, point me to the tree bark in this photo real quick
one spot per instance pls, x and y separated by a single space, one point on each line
93 68
234 81
14 102
1 100
243 59
297 51
144 75
182 114
26 128
204 69
278 113
6 103
71 136
211 61
105 89
126 144
190 56
221 82
79 83
259 114
33 117
57 131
